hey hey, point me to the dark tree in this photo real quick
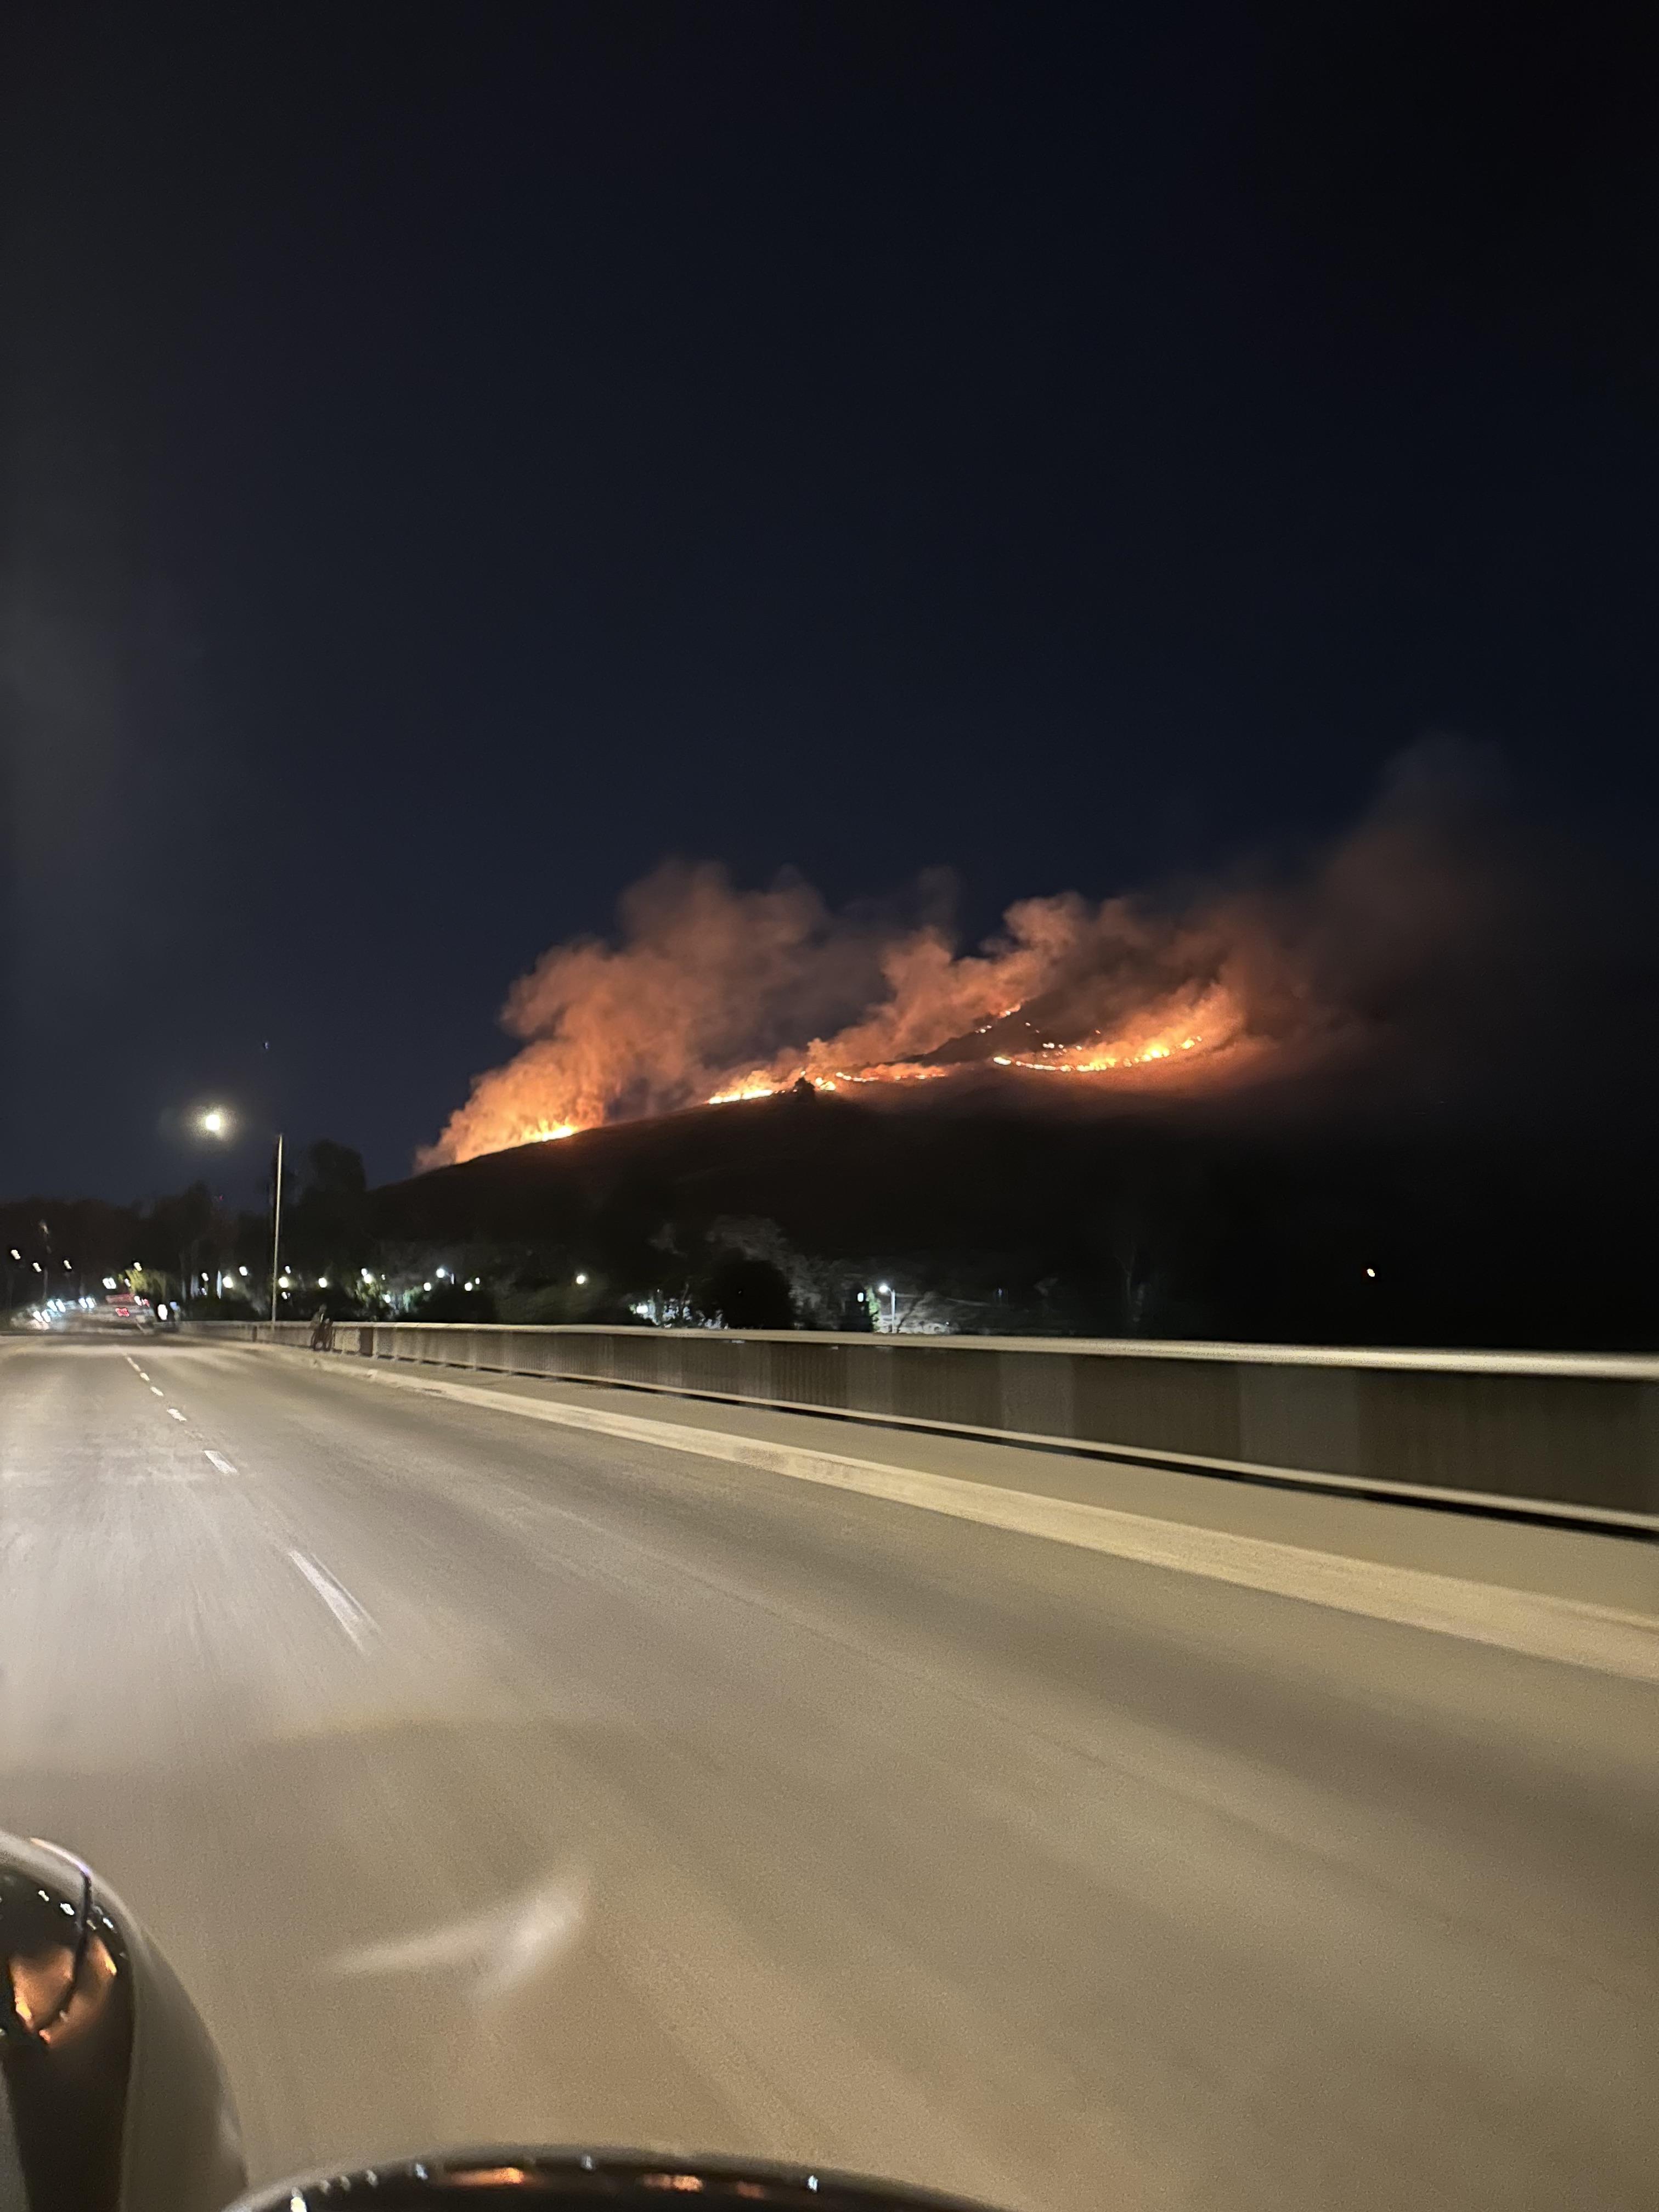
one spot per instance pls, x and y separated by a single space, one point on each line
746 1293
327 1223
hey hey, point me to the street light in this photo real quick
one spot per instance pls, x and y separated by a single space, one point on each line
217 1121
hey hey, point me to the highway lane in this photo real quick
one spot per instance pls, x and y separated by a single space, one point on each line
484 1777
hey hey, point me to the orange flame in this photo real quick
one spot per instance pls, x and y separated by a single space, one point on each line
666 1016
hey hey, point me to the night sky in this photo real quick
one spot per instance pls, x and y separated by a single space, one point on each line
455 457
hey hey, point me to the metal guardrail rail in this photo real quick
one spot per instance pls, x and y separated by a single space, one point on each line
1557 1435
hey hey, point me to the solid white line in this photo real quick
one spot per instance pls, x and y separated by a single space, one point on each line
176 1414
338 1599
1569 1631
221 1462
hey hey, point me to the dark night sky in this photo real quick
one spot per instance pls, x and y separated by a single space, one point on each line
456 456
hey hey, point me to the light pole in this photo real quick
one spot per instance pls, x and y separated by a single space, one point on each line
217 1121
276 1233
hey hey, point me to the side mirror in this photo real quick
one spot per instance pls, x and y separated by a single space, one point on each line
114 2098
553 2179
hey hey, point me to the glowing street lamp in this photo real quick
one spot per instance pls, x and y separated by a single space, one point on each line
219 1121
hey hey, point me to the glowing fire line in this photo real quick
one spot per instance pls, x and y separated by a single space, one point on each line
1094 1057
1149 1043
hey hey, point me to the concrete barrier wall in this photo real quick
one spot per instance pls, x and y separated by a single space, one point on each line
1562 1431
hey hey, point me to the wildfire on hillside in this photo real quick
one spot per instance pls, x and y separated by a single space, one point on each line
1171 1039
1421 932
1099 995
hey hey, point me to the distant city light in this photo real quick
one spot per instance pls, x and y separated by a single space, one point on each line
1372 1271
581 1278
322 1282
216 1121
241 1271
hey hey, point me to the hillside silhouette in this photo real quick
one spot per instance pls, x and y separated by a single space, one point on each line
1413 1222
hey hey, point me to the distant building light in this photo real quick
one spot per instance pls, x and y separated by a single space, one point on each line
581 1278
1372 1271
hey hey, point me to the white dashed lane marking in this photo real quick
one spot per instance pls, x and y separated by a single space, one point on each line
176 1414
338 1599
221 1462
157 1391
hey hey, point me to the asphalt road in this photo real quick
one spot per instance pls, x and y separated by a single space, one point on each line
488 1779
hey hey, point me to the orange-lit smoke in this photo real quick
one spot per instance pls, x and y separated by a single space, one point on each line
671 1015
1424 941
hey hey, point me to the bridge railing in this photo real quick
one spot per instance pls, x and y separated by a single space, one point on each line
1561 1433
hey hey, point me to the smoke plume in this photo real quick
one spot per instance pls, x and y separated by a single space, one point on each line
1427 927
